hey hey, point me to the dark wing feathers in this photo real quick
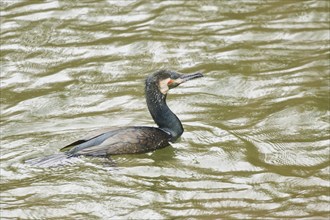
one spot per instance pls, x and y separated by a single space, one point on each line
120 141
70 146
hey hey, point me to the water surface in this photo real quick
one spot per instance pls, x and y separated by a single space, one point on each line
256 141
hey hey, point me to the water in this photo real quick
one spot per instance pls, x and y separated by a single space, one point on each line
256 141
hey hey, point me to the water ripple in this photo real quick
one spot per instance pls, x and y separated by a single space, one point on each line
256 140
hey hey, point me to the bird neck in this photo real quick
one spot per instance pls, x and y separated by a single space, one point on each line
162 114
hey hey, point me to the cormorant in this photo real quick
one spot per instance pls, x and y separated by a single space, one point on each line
136 139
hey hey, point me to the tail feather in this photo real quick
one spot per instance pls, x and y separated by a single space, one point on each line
51 161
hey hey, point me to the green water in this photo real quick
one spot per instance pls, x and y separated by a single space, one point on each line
256 141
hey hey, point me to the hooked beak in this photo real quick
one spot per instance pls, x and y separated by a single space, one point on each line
187 77
172 83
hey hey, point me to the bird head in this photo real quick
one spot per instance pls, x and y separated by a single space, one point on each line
166 79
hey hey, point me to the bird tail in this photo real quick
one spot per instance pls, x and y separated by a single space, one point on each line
54 160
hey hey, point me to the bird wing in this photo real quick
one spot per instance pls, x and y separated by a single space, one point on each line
121 141
86 138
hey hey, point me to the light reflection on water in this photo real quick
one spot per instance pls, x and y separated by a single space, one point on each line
256 141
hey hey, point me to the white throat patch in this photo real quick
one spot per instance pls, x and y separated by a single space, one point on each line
163 86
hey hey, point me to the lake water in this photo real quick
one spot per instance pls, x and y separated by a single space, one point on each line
256 141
